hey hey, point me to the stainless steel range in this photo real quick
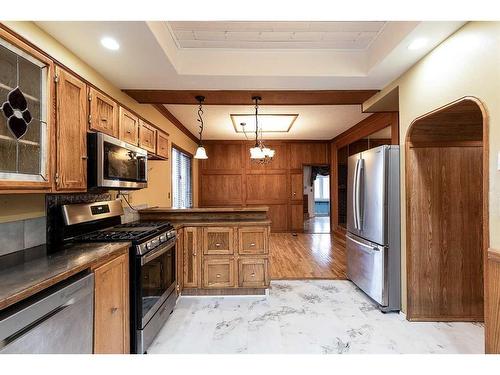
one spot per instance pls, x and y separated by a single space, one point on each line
152 262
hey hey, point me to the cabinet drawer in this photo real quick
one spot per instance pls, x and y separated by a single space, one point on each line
252 273
147 137
252 241
218 241
218 273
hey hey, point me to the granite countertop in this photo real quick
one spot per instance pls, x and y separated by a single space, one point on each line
206 209
21 281
214 223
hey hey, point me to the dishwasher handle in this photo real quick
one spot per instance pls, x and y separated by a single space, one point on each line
30 315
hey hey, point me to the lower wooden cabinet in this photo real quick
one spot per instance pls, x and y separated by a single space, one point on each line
191 257
253 273
224 257
111 307
218 272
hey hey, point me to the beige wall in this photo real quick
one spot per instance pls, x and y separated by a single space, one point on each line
466 64
18 207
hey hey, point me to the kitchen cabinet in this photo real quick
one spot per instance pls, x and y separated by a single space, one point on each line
103 113
253 241
26 116
253 273
191 256
129 127
218 241
162 149
111 310
179 260
147 136
218 272
71 126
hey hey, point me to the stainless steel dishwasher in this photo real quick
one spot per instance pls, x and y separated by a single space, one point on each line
58 320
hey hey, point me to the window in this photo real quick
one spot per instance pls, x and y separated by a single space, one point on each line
182 196
322 188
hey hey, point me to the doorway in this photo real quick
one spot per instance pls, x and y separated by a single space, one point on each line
446 189
316 202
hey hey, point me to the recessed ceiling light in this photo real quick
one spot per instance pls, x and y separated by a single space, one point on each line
110 43
418 43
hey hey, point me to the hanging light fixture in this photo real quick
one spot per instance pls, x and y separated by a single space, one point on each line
201 153
259 152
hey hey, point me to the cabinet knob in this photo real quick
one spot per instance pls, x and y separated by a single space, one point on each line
252 274
84 157
252 244
218 276
217 245
114 309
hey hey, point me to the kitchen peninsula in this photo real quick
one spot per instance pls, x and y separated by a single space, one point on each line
220 250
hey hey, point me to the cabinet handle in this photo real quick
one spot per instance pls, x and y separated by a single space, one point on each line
217 245
84 157
294 194
114 309
104 119
252 274
129 132
194 254
252 244
218 275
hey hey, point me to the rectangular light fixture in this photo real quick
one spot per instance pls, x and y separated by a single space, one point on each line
269 123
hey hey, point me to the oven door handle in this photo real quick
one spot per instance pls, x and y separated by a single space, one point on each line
157 252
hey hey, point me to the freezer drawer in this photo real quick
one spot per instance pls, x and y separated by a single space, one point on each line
367 268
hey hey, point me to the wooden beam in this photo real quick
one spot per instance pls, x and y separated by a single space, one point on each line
170 117
243 97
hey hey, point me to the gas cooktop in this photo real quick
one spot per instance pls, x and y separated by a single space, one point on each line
135 231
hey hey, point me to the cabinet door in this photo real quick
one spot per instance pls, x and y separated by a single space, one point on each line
71 149
252 273
162 145
297 217
252 241
147 137
192 258
218 272
218 241
103 113
296 186
179 250
129 127
111 311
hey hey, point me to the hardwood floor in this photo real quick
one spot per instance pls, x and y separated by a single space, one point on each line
317 224
307 256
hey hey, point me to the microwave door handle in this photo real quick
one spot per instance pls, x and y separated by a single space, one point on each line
354 194
359 191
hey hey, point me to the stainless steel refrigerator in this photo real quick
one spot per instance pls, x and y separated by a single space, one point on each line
373 225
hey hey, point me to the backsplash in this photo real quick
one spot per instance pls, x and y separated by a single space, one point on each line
22 234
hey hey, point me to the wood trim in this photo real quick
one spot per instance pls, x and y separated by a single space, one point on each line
243 97
445 144
173 145
494 255
170 117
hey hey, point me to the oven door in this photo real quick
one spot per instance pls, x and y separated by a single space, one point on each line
156 279
119 164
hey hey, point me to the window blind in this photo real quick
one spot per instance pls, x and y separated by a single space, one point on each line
182 196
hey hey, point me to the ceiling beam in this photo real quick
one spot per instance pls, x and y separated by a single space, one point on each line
165 112
243 97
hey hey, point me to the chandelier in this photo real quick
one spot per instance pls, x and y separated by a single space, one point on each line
260 153
201 153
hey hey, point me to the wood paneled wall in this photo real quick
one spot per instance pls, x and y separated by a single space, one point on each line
229 178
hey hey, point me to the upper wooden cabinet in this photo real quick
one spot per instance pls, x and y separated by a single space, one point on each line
147 136
71 130
26 121
103 113
111 311
129 127
162 149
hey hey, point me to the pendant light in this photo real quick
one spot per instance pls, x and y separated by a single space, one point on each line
201 153
259 152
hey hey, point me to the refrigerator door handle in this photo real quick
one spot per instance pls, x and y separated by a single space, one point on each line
357 198
354 195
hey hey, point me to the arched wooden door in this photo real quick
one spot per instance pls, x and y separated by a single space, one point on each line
444 202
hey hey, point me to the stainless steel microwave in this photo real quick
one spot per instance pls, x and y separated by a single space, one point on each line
114 164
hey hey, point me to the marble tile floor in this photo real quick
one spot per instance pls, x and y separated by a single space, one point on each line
306 316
